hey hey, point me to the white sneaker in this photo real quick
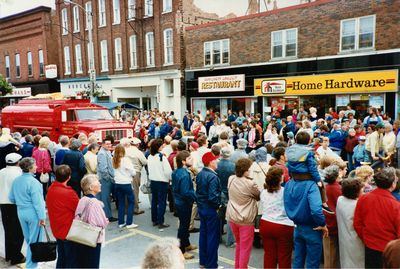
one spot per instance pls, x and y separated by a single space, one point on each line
132 226
122 225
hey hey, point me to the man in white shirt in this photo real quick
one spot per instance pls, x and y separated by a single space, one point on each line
325 151
12 228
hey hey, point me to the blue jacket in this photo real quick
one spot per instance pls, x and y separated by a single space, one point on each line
75 160
152 129
226 168
336 139
187 123
301 160
26 150
105 170
182 188
303 204
231 118
359 154
208 189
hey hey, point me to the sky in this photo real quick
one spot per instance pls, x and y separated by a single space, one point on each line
221 7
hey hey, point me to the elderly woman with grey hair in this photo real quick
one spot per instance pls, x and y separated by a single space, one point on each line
90 210
389 140
333 177
75 160
27 193
163 254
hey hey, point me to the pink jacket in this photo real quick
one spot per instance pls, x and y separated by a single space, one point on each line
43 160
94 213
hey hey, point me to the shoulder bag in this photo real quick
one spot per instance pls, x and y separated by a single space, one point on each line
43 251
82 232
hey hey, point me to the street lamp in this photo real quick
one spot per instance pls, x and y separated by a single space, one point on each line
92 69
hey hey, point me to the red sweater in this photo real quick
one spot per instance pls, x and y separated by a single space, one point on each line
377 219
333 191
61 204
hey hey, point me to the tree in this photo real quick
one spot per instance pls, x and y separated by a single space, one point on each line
5 87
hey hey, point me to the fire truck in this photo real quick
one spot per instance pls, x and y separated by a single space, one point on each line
64 116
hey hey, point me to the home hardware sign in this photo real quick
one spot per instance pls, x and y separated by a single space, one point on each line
360 82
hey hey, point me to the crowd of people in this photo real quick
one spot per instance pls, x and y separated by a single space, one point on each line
303 188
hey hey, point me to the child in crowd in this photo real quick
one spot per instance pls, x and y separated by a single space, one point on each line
302 165
359 153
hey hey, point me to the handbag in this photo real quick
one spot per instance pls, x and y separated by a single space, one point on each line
43 251
82 232
44 177
145 188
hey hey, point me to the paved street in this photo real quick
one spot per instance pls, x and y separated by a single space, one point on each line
125 248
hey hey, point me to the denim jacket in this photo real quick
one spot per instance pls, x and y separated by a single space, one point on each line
105 170
301 160
208 189
359 154
182 187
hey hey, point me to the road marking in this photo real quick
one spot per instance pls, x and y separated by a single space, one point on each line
156 237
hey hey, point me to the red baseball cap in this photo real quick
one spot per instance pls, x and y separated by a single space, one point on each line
208 158
194 145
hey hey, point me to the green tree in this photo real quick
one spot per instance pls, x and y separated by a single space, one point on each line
5 87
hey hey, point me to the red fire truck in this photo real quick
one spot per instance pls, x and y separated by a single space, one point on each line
64 117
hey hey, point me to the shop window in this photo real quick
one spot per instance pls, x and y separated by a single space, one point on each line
357 33
216 52
284 43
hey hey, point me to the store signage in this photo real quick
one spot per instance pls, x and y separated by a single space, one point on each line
230 83
20 92
51 71
360 82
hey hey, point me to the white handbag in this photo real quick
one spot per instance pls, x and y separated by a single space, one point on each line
84 233
44 177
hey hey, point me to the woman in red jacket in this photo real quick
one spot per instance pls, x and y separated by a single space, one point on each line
377 217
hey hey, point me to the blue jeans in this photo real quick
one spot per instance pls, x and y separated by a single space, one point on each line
230 238
124 191
209 237
350 161
184 215
67 254
159 192
104 196
307 247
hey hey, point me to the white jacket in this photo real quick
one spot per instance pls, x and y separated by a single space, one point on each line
124 173
159 170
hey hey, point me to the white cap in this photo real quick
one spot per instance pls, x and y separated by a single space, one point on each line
12 158
135 141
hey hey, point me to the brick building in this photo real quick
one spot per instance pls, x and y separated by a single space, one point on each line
26 46
292 56
138 49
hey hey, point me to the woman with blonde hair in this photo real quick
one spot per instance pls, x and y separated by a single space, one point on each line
365 174
43 162
124 172
90 210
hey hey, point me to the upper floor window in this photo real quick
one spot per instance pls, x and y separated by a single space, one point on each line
29 58
216 52
64 21
78 59
131 9
76 19
17 66
167 5
132 51
41 63
7 60
148 8
67 61
116 12
90 59
104 56
284 43
168 47
102 13
88 15
118 54
357 33
150 48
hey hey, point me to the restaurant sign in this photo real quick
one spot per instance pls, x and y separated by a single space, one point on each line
360 82
229 83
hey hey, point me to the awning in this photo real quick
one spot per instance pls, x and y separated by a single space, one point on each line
118 104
